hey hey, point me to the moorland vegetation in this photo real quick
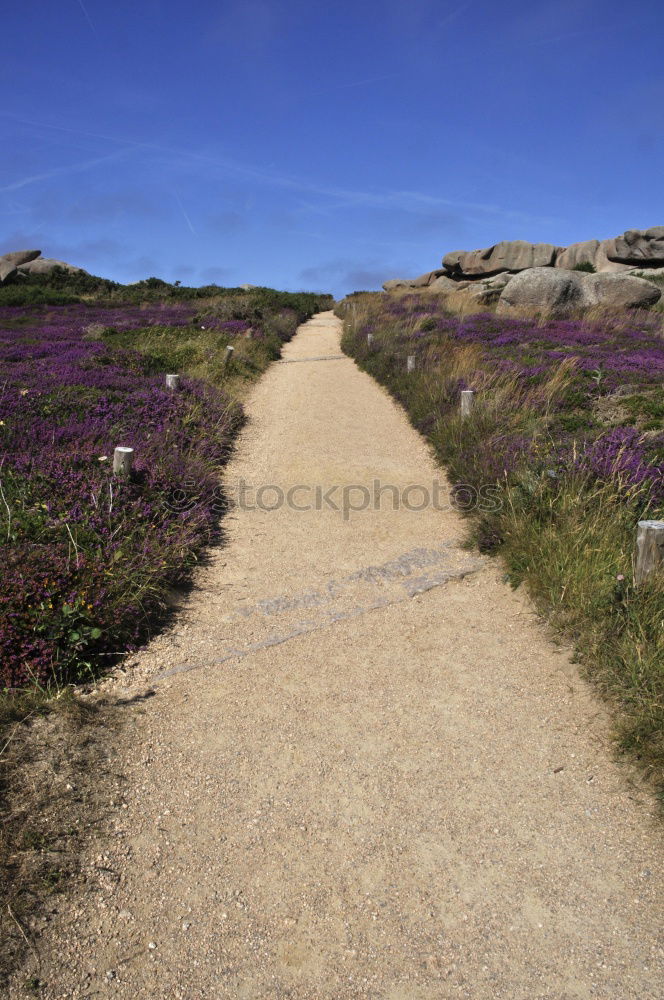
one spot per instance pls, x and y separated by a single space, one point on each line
88 558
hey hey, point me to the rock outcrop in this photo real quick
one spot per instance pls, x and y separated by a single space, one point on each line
442 284
483 274
542 288
557 291
624 291
638 246
509 255
44 265
31 262
18 257
9 262
590 252
615 256
440 281
423 281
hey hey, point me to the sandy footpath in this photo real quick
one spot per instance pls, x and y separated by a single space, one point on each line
366 771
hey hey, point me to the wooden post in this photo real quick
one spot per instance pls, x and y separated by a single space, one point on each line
410 363
649 549
123 459
173 382
467 399
370 340
229 354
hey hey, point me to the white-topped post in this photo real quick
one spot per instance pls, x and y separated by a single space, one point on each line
229 354
410 363
123 459
467 400
173 382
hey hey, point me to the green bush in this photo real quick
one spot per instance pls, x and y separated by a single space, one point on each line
35 295
62 287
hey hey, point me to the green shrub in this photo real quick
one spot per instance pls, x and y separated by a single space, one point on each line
35 295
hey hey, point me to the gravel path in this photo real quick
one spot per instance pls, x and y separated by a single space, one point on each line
365 771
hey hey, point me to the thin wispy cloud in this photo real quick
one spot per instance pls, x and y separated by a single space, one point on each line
354 83
184 213
590 33
71 168
452 15
339 197
87 17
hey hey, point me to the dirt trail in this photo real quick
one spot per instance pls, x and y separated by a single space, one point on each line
366 771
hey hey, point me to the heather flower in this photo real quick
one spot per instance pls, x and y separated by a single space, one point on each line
565 432
65 403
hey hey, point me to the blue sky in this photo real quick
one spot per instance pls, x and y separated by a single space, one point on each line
323 146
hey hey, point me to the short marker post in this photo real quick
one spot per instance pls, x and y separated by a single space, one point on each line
173 382
229 354
649 550
123 459
467 399
410 363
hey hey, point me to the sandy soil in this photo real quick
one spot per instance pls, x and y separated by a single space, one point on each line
366 771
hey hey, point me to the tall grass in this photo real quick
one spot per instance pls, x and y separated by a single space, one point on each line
255 323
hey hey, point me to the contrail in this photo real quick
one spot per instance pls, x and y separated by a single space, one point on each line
550 40
454 13
186 217
408 200
354 83
87 17
58 171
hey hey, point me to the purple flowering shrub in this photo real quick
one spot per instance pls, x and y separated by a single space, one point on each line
86 556
582 395
624 456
